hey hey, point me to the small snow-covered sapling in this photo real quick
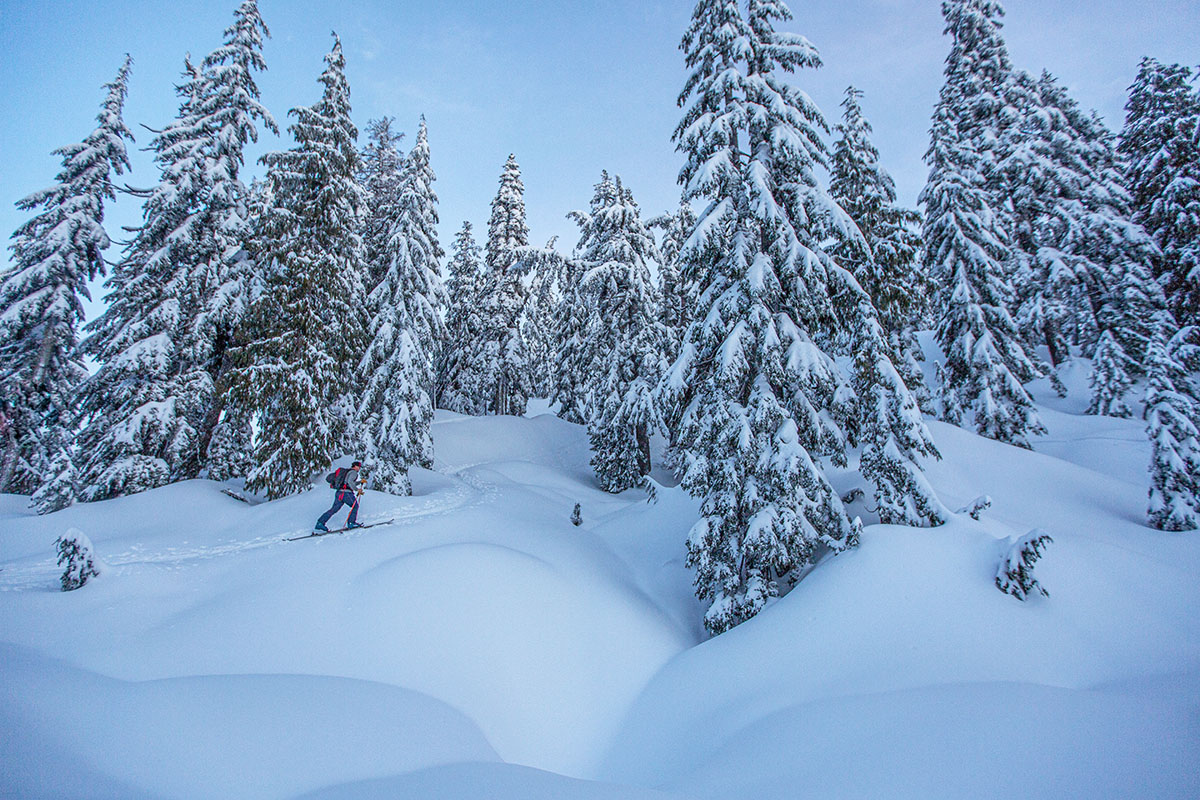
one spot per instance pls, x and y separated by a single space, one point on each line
75 551
976 506
1014 575
577 516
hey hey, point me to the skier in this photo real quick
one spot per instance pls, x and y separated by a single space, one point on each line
344 482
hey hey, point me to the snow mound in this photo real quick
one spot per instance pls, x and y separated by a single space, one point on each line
483 646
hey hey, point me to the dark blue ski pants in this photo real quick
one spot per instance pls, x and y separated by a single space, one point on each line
343 498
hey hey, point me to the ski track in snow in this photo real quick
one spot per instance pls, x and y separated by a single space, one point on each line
44 573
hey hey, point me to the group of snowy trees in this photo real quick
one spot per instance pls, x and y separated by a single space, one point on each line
768 331
1044 233
253 331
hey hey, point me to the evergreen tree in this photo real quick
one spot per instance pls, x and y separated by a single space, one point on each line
622 341
1110 378
461 376
229 112
396 408
308 323
141 411
506 367
888 269
676 228
888 423
1074 242
1161 146
569 391
54 254
749 380
180 291
540 323
381 164
572 388
965 236
1172 421
76 555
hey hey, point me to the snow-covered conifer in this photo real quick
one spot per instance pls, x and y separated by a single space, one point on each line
1173 427
1161 146
228 113
1074 243
502 300
541 323
1110 378
306 331
396 371
54 254
748 383
379 175
888 424
622 338
179 292
460 372
570 383
76 556
231 445
141 411
1014 574
676 228
965 238
888 268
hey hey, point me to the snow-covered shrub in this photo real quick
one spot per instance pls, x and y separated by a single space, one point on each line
577 516
1014 575
75 551
976 506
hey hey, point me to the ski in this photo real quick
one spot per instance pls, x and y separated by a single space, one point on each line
339 530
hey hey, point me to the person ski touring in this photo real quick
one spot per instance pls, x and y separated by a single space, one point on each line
345 482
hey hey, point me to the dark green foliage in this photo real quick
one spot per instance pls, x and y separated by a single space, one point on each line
75 554
1014 575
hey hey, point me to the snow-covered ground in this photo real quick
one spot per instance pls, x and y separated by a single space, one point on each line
483 647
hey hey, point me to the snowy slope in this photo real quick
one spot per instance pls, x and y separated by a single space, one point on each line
482 646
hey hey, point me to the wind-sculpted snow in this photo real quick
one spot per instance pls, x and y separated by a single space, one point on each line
244 736
484 646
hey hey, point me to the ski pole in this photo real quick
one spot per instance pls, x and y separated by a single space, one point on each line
354 505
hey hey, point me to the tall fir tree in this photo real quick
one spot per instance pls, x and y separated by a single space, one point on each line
965 237
676 228
54 255
180 291
1161 146
1173 427
1073 239
305 331
569 391
230 112
397 372
751 390
889 268
503 298
461 370
540 322
380 167
622 340
141 410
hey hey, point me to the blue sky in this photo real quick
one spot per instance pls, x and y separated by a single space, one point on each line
569 87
